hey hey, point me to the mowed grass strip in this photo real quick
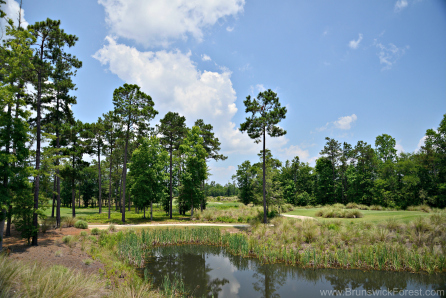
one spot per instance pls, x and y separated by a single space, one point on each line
369 215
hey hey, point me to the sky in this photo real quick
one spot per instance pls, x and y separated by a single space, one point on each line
348 70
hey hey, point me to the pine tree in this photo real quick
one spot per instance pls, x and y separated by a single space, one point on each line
266 114
135 109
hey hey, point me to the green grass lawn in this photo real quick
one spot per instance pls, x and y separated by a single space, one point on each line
369 215
91 215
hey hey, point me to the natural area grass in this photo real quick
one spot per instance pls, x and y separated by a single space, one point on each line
22 279
372 216
389 245
232 213
334 212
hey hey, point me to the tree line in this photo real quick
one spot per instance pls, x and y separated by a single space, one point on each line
362 174
43 145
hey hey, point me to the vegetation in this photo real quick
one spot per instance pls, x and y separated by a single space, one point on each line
336 212
414 247
81 224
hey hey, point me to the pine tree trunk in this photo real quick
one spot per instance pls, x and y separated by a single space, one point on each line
8 223
264 182
110 184
171 198
57 172
144 212
2 226
38 132
100 180
151 211
54 196
124 173
73 199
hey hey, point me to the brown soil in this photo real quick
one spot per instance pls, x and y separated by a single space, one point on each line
51 250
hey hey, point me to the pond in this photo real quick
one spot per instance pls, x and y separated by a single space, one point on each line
209 271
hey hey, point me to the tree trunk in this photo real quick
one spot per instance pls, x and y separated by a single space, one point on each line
171 198
73 199
54 196
124 173
2 226
151 211
264 182
57 172
100 187
192 206
38 132
9 221
110 183
144 212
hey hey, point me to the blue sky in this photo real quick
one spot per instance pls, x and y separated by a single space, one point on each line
349 70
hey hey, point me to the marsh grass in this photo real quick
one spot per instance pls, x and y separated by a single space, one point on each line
240 214
337 211
415 247
68 221
21 279
424 208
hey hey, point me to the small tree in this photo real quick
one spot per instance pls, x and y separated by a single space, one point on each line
266 114
148 172
195 168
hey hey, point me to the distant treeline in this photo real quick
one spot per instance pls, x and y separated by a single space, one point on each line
354 174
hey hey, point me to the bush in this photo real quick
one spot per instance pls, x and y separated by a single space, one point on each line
376 207
83 234
330 212
112 228
81 224
95 231
69 221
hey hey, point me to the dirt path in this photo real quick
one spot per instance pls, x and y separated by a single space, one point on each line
101 227
298 216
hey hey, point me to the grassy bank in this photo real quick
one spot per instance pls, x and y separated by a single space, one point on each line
372 216
415 247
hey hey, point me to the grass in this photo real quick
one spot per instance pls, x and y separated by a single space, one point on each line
21 279
373 216
336 212
391 245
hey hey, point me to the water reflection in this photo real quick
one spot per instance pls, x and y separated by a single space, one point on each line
209 271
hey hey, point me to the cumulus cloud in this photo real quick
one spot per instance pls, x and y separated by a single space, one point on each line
388 55
421 142
399 148
12 8
353 44
205 57
400 5
344 123
158 23
175 84
229 29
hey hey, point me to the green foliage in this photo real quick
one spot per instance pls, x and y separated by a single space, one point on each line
81 224
147 170
95 231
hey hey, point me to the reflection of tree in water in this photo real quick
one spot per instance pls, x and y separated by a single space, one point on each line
270 279
189 263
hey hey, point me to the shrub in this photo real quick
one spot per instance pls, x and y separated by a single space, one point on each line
95 231
81 224
376 207
83 233
352 206
112 228
69 221
330 212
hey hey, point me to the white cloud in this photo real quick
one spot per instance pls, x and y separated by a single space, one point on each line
421 142
205 57
221 174
229 29
11 8
245 67
355 43
388 55
175 84
158 23
343 123
400 5
399 148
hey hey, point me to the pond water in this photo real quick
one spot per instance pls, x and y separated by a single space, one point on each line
209 271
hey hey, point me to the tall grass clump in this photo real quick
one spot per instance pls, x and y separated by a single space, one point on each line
232 215
68 221
424 208
22 279
81 224
336 212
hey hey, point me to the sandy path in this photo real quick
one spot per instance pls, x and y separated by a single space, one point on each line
297 216
172 224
